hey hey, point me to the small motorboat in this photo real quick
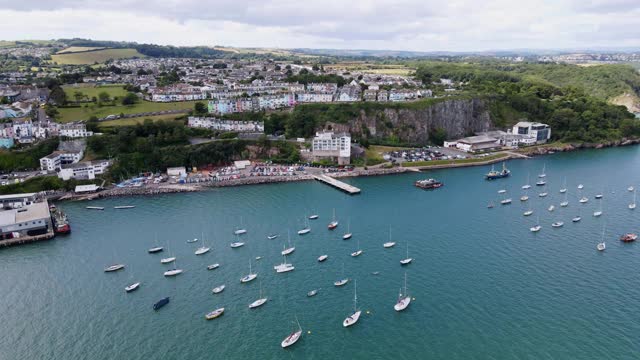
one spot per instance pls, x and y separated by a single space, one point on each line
564 204
630 188
173 272
406 261
576 219
273 236
557 224
341 282
543 194
541 183
283 268
312 293
629 237
389 244
160 303
528 213
258 257
240 231
322 258
598 196
192 240
580 186
584 200
95 208
304 231
563 190
124 207
213 266
132 287
525 187
167 260
156 249
113 268
505 201
535 228
313 217
597 213
601 246
502 191
218 289
236 244
214 314
551 208
524 198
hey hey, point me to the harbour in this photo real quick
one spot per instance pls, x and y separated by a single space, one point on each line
477 274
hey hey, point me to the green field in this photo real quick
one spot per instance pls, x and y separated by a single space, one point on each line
135 121
91 57
90 90
84 113
4 43
75 49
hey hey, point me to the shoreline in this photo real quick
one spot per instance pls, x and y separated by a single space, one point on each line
263 180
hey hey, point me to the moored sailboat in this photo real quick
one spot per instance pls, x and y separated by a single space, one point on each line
355 316
403 298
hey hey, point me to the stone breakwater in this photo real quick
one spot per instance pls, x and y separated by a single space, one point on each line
544 150
151 190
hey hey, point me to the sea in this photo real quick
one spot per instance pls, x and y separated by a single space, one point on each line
483 286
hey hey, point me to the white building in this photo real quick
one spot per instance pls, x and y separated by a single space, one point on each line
85 170
180 171
74 130
474 143
32 219
56 159
327 145
540 132
225 125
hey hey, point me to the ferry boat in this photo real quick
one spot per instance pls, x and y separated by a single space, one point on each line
493 174
628 237
428 184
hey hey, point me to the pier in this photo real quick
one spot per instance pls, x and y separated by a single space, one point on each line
349 189
27 239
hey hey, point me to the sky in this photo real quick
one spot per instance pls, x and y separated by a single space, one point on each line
415 25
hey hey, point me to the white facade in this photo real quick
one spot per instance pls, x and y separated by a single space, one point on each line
540 132
74 130
330 145
55 160
85 170
177 171
225 125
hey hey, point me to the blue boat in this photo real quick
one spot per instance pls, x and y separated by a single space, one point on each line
493 174
160 303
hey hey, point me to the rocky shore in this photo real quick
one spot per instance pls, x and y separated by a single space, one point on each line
547 149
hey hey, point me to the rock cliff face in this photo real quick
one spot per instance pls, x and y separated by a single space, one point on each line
458 118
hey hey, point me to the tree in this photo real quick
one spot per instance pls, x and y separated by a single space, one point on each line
58 95
104 97
200 108
78 95
129 99
92 124
315 67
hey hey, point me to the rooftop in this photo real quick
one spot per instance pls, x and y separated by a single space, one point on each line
31 212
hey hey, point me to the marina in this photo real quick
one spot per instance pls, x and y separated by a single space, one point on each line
476 273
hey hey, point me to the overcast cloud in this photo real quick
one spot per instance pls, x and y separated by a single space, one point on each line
418 25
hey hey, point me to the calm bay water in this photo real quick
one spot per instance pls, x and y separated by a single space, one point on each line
485 287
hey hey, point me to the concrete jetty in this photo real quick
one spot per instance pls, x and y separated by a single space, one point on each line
349 189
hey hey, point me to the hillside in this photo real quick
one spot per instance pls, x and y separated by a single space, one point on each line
94 56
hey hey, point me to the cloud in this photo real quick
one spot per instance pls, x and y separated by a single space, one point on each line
420 25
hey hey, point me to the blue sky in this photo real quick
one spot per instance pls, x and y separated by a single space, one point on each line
417 25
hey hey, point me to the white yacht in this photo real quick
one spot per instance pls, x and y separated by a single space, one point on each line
403 298
250 276
355 316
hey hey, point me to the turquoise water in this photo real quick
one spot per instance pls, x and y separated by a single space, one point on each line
485 287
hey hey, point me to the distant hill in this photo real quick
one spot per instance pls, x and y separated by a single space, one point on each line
87 57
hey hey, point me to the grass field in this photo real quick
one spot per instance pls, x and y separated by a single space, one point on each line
73 49
84 113
90 90
91 57
4 43
134 121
